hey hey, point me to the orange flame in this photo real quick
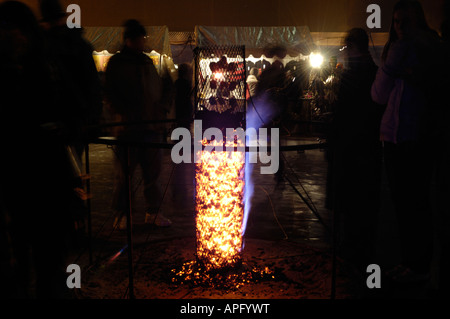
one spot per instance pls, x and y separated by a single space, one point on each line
219 206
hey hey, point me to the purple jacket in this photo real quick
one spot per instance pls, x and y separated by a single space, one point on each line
406 103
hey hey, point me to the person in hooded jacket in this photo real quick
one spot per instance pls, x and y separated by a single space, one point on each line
405 83
355 154
134 92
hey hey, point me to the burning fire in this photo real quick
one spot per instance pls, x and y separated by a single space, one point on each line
219 222
219 206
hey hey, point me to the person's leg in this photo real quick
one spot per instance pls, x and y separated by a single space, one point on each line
391 163
49 248
150 160
118 188
48 258
408 174
357 202
417 221
119 202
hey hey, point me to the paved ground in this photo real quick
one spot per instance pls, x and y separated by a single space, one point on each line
293 216
278 215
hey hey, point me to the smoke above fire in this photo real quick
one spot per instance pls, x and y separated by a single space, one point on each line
260 111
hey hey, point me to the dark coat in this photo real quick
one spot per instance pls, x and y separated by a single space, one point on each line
183 101
79 84
355 162
357 117
134 88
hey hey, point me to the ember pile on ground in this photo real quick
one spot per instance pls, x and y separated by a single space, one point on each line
299 272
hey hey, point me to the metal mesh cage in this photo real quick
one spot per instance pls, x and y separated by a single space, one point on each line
220 102
220 79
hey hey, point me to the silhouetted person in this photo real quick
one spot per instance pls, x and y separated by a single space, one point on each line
183 95
252 82
356 155
80 83
184 113
134 91
270 98
79 90
271 81
36 179
405 83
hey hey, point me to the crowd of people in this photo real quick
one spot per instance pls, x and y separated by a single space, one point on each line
50 95
395 114
54 100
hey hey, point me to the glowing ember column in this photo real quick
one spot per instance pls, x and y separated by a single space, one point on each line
220 103
220 208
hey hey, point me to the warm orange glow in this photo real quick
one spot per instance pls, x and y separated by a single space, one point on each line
219 206
220 211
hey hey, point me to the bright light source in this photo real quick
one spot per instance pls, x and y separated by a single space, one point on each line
316 60
218 76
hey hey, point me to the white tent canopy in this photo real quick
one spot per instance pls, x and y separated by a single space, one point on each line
107 41
111 39
258 40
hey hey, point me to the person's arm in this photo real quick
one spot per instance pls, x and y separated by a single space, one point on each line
92 86
113 86
389 72
382 87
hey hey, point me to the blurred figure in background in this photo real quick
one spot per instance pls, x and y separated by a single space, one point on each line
405 82
252 82
183 96
79 78
184 106
356 155
270 102
36 183
134 92
79 91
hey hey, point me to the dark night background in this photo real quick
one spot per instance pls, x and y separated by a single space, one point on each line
180 15
304 265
